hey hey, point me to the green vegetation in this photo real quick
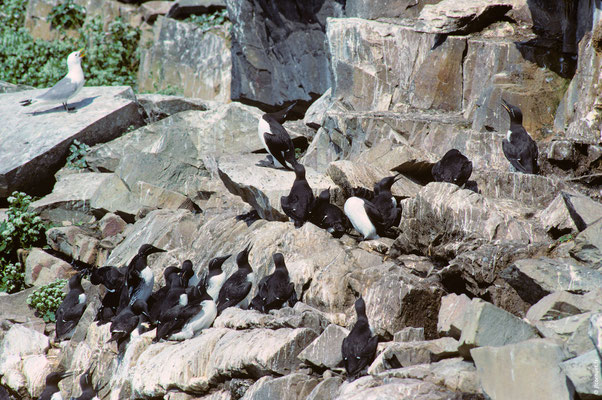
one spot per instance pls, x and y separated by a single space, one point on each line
566 238
47 299
77 155
208 21
67 15
111 53
21 230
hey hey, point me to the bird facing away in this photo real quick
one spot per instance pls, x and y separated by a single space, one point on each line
88 391
214 279
373 219
237 288
66 87
51 391
298 204
157 301
359 347
71 308
139 278
519 148
454 167
328 216
275 138
274 290
125 323
112 278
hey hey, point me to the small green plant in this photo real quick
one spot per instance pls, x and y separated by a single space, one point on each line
21 230
47 299
13 277
67 15
298 153
566 238
208 21
77 155
168 91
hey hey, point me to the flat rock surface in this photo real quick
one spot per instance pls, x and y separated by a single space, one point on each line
34 145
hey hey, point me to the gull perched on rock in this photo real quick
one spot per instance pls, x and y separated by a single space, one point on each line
66 87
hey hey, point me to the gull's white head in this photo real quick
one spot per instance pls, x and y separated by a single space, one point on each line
75 58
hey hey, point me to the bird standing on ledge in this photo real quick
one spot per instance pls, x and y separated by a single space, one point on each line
519 148
66 87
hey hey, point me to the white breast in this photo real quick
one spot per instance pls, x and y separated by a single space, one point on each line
244 304
183 299
354 209
56 396
215 284
82 298
202 320
509 135
261 129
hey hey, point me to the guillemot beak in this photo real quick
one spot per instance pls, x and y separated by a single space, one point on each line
66 374
506 105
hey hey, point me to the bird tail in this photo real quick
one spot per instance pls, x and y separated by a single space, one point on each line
25 103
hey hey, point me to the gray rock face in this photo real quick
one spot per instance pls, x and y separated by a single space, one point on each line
584 373
409 334
325 351
393 389
448 16
535 278
396 355
217 353
280 55
326 390
562 304
33 156
452 314
159 106
290 387
503 377
588 245
570 213
487 325
41 268
262 187
187 58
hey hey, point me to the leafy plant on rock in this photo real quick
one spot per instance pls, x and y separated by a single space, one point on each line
67 15
77 155
208 21
22 229
47 299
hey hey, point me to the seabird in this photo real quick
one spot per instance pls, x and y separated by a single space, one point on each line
156 302
71 308
139 278
187 273
237 288
454 167
276 139
373 218
126 322
359 347
328 216
274 290
197 316
519 148
298 204
88 391
52 391
215 277
66 87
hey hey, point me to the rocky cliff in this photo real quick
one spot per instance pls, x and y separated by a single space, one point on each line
490 290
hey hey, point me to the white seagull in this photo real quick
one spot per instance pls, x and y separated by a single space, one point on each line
66 87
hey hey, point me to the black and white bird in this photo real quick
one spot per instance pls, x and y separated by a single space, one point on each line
276 140
71 308
236 290
274 290
126 322
139 278
373 219
213 281
328 216
157 301
359 347
519 148
198 316
187 273
67 87
454 167
88 391
52 391
298 204
112 278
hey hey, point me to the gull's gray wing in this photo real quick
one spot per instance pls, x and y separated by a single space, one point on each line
61 91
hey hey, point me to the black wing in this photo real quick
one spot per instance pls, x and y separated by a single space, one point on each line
232 293
374 214
512 155
279 142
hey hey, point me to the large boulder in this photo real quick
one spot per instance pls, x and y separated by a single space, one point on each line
294 386
449 16
505 373
584 373
393 388
193 61
325 351
30 156
280 54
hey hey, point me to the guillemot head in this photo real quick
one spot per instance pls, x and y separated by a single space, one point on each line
516 115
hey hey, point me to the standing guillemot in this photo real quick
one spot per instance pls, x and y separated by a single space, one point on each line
71 308
213 281
125 322
454 167
196 317
274 290
139 278
359 347
518 147
237 288
275 138
298 204
328 216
